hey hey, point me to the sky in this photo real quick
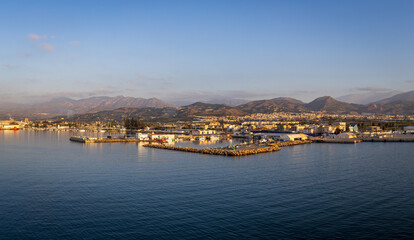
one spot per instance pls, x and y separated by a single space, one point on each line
185 51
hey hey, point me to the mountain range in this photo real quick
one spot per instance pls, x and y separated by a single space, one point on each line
67 106
99 107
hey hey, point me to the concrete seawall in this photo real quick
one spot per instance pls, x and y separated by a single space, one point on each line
230 152
333 140
388 139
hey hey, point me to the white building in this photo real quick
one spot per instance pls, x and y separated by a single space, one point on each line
346 135
340 125
164 137
284 137
308 130
143 136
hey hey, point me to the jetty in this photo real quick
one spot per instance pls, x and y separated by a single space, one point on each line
248 150
103 140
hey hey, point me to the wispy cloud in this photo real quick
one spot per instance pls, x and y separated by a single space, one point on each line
71 94
30 97
44 45
5 97
168 83
25 54
8 66
150 78
74 42
188 97
36 37
372 89
161 83
47 47
409 81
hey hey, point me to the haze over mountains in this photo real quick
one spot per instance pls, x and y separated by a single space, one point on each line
402 103
67 106
402 97
367 97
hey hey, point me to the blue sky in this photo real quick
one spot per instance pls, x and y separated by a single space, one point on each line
185 51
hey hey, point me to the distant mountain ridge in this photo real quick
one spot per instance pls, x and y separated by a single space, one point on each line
329 104
326 104
99 106
67 106
397 104
206 109
121 113
402 97
272 105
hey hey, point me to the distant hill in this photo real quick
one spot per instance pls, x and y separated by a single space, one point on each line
272 105
67 106
158 114
122 113
367 97
329 104
398 104
326 103
228 101
402 97
397 107
206 109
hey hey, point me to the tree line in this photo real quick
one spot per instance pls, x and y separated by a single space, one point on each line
134 123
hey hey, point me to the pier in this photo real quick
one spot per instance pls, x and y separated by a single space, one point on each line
248 150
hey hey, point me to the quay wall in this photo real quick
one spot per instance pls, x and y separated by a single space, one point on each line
330 140
388 140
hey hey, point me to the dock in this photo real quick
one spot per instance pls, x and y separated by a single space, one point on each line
353 141
81 139
250 150
388 140
333 140
103 140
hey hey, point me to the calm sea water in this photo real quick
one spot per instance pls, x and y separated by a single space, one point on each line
51 188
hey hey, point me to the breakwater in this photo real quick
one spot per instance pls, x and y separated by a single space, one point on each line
103 140
249 150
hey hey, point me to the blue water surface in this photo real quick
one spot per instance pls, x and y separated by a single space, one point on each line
51 188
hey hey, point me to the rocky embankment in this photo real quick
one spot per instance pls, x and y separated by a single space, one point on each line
230 152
